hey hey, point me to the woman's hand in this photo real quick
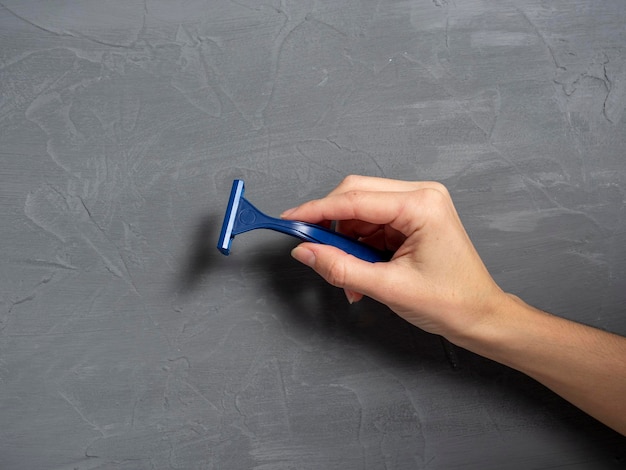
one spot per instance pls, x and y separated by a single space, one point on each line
435 280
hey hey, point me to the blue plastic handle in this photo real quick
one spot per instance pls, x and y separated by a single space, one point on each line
249 218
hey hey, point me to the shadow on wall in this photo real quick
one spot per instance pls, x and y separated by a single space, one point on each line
202 256
309 304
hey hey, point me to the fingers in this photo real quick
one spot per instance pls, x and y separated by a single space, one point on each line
385 239
381 237
374 184
353 296
341 203
403 211
366 206
357 228
371 183
340 269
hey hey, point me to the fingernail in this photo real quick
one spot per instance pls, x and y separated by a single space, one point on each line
350 296
288 212
304 255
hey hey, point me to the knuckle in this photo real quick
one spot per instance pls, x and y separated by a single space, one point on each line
437 195
336 273
440 188
350 181
439 205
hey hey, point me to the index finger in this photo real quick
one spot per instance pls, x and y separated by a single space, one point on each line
400 210
373 183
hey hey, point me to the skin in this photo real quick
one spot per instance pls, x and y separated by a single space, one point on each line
437 281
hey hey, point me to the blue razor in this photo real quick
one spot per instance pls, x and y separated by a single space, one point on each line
241 216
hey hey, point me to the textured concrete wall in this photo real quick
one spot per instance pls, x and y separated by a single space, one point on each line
128 342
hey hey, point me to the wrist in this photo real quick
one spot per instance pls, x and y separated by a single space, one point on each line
501 328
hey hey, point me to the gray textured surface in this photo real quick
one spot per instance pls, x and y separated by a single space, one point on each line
128 342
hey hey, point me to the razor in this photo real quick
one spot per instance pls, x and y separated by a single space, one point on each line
241 216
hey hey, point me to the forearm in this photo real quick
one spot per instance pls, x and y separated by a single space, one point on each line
584 365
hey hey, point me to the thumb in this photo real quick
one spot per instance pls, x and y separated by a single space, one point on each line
338 268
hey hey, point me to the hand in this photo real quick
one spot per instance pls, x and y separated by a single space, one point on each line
435 280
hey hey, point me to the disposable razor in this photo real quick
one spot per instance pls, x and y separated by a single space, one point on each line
241 216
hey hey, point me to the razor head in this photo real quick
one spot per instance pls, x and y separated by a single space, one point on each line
226 235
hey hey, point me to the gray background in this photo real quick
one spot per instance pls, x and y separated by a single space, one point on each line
128 342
